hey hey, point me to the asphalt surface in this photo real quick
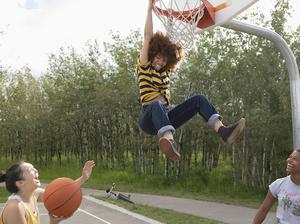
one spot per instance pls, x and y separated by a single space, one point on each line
228 214
93 211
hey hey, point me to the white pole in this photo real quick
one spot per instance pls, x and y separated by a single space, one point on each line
292 67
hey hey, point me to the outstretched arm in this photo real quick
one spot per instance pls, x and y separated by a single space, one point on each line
86 172
264 209
148 33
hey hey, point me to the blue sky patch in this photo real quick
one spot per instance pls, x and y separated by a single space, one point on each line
29 4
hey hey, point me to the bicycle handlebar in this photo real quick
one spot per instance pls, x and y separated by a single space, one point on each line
118 195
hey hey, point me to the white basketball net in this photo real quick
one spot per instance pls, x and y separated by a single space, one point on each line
180 18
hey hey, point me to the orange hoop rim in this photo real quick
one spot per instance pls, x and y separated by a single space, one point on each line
175 13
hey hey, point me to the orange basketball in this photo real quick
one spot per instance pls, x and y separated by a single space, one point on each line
62 197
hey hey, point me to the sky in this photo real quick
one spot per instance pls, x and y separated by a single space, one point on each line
30 30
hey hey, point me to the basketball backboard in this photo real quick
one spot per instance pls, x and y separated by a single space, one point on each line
218 12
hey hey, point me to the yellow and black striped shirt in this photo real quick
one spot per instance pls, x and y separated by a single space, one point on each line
152 83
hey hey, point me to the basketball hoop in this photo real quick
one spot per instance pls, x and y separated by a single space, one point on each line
180 19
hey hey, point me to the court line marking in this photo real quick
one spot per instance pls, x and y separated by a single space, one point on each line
115 207
81 210
96 217
86 212
122 210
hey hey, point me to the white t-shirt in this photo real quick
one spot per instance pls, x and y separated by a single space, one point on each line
288 195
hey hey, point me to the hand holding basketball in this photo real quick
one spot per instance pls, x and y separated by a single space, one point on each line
54 219
62 197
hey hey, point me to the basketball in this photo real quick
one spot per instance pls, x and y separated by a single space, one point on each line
62 197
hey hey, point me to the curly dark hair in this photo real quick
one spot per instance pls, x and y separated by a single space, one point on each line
161 44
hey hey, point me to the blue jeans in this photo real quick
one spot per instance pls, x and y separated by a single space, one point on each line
158 118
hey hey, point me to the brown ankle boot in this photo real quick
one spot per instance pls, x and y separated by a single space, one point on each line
167 147
230 133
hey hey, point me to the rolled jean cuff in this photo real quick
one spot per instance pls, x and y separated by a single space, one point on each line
212 120
161 131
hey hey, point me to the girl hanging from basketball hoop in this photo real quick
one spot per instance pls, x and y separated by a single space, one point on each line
158 57
22 181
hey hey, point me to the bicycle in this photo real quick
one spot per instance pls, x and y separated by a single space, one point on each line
118 195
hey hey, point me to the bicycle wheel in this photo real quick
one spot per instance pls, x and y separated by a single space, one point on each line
124 198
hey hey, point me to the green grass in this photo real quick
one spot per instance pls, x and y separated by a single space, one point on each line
163 215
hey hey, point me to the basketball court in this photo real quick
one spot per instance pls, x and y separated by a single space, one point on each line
93 211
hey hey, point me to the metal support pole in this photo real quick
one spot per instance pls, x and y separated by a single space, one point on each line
292 67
